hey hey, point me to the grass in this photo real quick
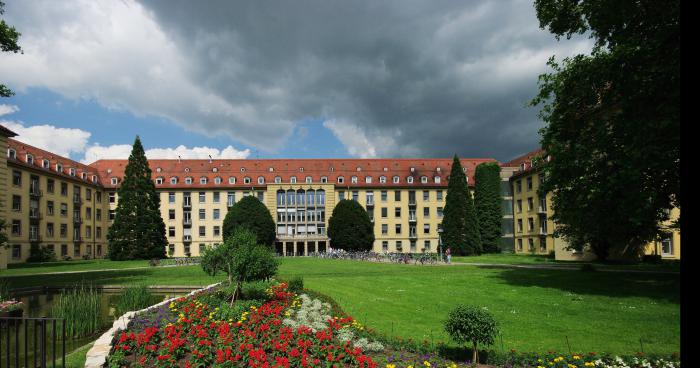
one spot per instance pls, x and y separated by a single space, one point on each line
537 259
19 269
76 358
134 297
537 309
80 307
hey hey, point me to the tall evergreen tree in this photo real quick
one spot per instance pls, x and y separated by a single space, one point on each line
487 202
460 228
138 231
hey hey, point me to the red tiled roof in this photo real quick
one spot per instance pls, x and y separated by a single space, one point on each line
38 154
286 168
524 159
6 132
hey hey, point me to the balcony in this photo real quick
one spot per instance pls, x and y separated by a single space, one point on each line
34 238
77 200
187 222
543 232
34 192
411 201
412 217
413 234
77 239
541 210
34 214
370 202
187 203
77 220
187 238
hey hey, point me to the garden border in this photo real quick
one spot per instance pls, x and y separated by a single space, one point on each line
96 357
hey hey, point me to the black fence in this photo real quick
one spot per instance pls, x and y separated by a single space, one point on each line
32 342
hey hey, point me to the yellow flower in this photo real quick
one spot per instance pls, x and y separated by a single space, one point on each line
426 363
390 366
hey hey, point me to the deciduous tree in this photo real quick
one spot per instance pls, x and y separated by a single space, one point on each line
250 213
350 228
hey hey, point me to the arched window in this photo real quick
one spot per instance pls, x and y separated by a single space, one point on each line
341 180
203 180
301 197
409 180
217 180
173 180
278 179
320 197
396 179
159 181
353 179
261 180
309 180
310 197
293 180
188 180
382 179
368 179
232 180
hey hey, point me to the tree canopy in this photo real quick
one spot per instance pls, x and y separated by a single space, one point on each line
250 213
138 231
8 43
350 228
487 203
612 122
460 227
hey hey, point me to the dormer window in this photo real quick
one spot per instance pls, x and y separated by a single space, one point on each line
71 171
331 169
203 180
246 180
409 180
396 179
217 180
188 180
293 180
83 176
232 180
173 180
11 153
382 179
30 159
413 169
324 179
271 169
301 169
45 164
353 179
159 181
437 180
309 180
359 168
522 166
114 181
368 179
59 168
158 169
216 169
278 180
386 169
341 180
261 180
94 178
424 180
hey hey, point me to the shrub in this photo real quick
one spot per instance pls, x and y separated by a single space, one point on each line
296 284
38 253
471 324
651 258
255 290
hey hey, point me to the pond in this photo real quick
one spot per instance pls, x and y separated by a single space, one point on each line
39 303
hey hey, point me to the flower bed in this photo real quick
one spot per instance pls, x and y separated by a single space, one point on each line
203 336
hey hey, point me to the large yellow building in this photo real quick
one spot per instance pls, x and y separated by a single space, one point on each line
532 214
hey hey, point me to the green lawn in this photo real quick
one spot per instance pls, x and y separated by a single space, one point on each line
537 309
534 259
64 266
76 359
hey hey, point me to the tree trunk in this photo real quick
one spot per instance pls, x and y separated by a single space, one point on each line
236 292
475 355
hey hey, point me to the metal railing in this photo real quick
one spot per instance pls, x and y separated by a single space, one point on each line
34 352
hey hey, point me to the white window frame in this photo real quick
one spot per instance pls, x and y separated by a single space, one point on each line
382 179
203 180
188 180
159 181
45 163
114 181
396 179
232 180
173 180
261 180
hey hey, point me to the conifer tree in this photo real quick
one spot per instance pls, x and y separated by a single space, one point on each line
487 202
460 229
138 231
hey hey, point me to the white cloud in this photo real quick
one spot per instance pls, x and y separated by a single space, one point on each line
122 151
61 141
8 109
358 143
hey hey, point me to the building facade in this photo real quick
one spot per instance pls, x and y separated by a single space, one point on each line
532 215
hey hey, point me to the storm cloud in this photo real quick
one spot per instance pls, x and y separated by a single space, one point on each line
389 78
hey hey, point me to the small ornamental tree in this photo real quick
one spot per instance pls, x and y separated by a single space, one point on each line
460 227
138 231
241 258
487 202
469 324
250 213
349 227
8 43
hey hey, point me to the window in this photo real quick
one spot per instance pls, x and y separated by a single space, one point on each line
409 180
76 250
202 214
439 212
382 179
231 180
384 195
385 245
395 179
203 180
293 180
16 251
171 214
98 232
217 214
519 206
529 183
368 179
397 212
426 229
230 198
217 197
114 181
385 229
171 197
278 180
202 231
398 229
530 203
353 179
50 185
88 194
530 224
11 153
439 195
98 214
309 180
16 227
426 245
355 195
159 181
426 195
30 159
341 195
530 244
340 180
171 231
520 225
426 212
202 197
112 197
384 212
16 178
63 231
520 245
397 195
246 180
64 189
437 180
399 246
217 230
188 180
45 164
173 180
64 209
49 208
59 168
667 247
324 179
261 180
518 186
424 180
98 197
16 203
217 180
202 248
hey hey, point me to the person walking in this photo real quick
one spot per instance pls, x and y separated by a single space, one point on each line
448 253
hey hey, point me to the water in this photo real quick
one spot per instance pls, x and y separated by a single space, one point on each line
39 305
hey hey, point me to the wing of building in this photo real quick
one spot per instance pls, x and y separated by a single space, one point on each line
54 202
